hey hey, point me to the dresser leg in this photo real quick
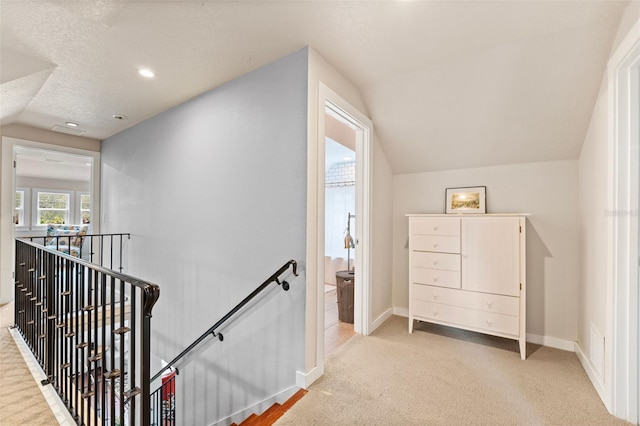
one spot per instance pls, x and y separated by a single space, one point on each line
523 348
410 325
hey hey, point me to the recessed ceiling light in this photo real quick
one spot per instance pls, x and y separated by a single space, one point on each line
145 72
71 124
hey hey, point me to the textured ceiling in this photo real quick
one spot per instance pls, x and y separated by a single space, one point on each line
448 84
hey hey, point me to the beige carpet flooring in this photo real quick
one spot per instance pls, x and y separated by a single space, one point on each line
21 401
443 376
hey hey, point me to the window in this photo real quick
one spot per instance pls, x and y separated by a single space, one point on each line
18 214
53 207
85 208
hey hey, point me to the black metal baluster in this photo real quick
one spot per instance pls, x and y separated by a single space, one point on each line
120 269
132 351
111 254
86 349
98 346
72 287
61 317
91 249
112 404
123 372
103 384
101 250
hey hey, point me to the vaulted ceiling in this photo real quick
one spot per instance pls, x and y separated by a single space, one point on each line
448 84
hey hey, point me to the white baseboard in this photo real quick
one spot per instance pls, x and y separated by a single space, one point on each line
258 408
304 380
552 342
401 312
596 380
380 320
58 408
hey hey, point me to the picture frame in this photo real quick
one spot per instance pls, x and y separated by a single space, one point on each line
471 199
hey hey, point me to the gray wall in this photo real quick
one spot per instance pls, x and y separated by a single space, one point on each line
214 195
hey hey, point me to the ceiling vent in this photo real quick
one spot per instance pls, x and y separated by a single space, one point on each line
68 130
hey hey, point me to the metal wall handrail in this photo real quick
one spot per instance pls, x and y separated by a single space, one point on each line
212 330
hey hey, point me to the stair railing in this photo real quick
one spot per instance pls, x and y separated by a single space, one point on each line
96 248
89 328
163 398
212 330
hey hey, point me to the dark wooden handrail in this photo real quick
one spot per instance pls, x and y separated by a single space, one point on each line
212 330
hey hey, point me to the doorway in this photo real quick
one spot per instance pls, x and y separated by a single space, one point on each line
81 202
51 187
340 236
335 107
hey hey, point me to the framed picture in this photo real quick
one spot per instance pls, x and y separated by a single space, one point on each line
466 200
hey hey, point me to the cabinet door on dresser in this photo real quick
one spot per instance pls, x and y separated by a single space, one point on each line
490 249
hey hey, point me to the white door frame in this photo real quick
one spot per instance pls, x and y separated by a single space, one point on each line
361 323
362 285
621 369
7 189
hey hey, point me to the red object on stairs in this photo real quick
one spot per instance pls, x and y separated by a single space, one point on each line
273 413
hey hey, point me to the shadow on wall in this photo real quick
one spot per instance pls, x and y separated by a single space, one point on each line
537 252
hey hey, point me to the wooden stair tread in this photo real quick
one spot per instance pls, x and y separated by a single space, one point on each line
294 398
272 413
252 418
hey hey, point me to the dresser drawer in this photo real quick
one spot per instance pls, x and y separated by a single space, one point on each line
438 243
448 262
436 277
467 299
435 226
467 318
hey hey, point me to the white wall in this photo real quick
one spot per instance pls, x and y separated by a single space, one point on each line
214 195
595 219
382 236
548 191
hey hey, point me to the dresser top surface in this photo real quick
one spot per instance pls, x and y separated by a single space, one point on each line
458 215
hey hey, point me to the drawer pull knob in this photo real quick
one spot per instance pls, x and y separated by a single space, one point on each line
435 313
435 279
435 228
489 322
435 296
435 262
488 304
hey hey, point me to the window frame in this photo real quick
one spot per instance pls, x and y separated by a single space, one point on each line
26 208
35 220
79 210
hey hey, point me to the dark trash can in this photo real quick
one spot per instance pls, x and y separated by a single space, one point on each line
344 282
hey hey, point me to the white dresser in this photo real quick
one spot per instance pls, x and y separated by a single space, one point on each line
469 271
